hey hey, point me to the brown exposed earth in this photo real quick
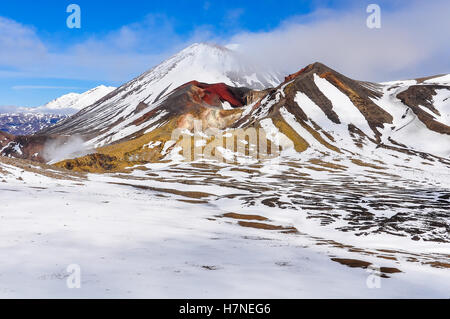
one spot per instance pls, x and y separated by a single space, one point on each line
422 95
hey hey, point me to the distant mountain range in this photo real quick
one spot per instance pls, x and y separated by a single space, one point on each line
27 121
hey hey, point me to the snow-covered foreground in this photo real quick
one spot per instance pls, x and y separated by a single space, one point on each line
168 233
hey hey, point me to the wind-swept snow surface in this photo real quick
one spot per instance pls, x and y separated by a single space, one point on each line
342 105
245 234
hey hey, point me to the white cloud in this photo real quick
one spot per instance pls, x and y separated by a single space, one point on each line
116 56
413 41
20 46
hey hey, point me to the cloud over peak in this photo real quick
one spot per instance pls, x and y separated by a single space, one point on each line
411 42
407 45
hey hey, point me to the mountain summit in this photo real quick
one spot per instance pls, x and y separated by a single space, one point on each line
199 62
73 102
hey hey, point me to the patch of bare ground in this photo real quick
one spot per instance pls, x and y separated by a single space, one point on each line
3 172
244 217
188 201
364 164
352 263
210 267
387 257
390 270
43 169
432 260
355 263
267 227
247 221
438 264
319 169
195 195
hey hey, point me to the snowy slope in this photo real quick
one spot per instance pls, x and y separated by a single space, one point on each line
443 79
74 102
359 116
202 62
407 128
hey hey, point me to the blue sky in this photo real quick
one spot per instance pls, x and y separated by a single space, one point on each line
102 16
41 59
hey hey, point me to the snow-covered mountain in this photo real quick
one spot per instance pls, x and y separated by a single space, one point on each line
359 116
201 62
316 110
27 123
421 114
73 102
316 113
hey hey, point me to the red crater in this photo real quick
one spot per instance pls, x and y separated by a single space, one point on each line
213 93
